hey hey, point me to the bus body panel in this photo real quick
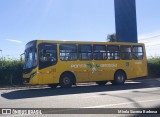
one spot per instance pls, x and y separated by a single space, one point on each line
87 70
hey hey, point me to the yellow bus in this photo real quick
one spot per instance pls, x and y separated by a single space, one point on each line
66 63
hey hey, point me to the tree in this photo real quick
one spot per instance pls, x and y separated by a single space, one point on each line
111 37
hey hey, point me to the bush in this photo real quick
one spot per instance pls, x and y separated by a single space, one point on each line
154 67
11 71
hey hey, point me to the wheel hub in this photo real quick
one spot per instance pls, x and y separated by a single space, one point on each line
120 78
66 80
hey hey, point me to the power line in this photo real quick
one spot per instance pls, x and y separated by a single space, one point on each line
150 37
152 45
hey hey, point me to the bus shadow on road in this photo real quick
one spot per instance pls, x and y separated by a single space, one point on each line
80 89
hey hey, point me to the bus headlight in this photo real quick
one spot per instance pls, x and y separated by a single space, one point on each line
32 75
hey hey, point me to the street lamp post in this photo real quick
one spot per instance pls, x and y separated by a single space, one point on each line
21 56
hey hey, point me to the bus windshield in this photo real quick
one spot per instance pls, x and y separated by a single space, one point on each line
30 56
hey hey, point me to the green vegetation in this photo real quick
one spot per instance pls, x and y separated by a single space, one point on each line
111 37
11 70
154 67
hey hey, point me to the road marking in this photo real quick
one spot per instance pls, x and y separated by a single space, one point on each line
101 106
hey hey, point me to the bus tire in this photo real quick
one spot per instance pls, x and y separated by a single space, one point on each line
66 80
101 83
53 85
119 78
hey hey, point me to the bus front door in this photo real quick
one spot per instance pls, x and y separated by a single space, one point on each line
47 59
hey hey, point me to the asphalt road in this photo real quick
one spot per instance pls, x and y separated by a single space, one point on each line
133 94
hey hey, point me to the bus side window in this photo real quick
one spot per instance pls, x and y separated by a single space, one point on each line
137 52
68 52
113 52
85 52
99 52
126 52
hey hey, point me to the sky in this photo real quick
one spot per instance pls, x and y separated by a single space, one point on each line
76 20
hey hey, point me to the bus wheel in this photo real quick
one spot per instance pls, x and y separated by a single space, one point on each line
66 80
119 78
101 82
53 85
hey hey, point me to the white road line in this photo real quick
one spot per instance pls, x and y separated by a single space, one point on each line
102 106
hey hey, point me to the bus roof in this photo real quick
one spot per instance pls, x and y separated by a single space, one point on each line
87 42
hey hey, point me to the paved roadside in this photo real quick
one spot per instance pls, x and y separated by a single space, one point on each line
13 87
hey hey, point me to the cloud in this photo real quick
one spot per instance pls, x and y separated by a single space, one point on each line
17 41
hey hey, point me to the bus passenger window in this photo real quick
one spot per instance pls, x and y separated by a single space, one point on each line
137 52
99 52
68 52
113 52
85 52
126 53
